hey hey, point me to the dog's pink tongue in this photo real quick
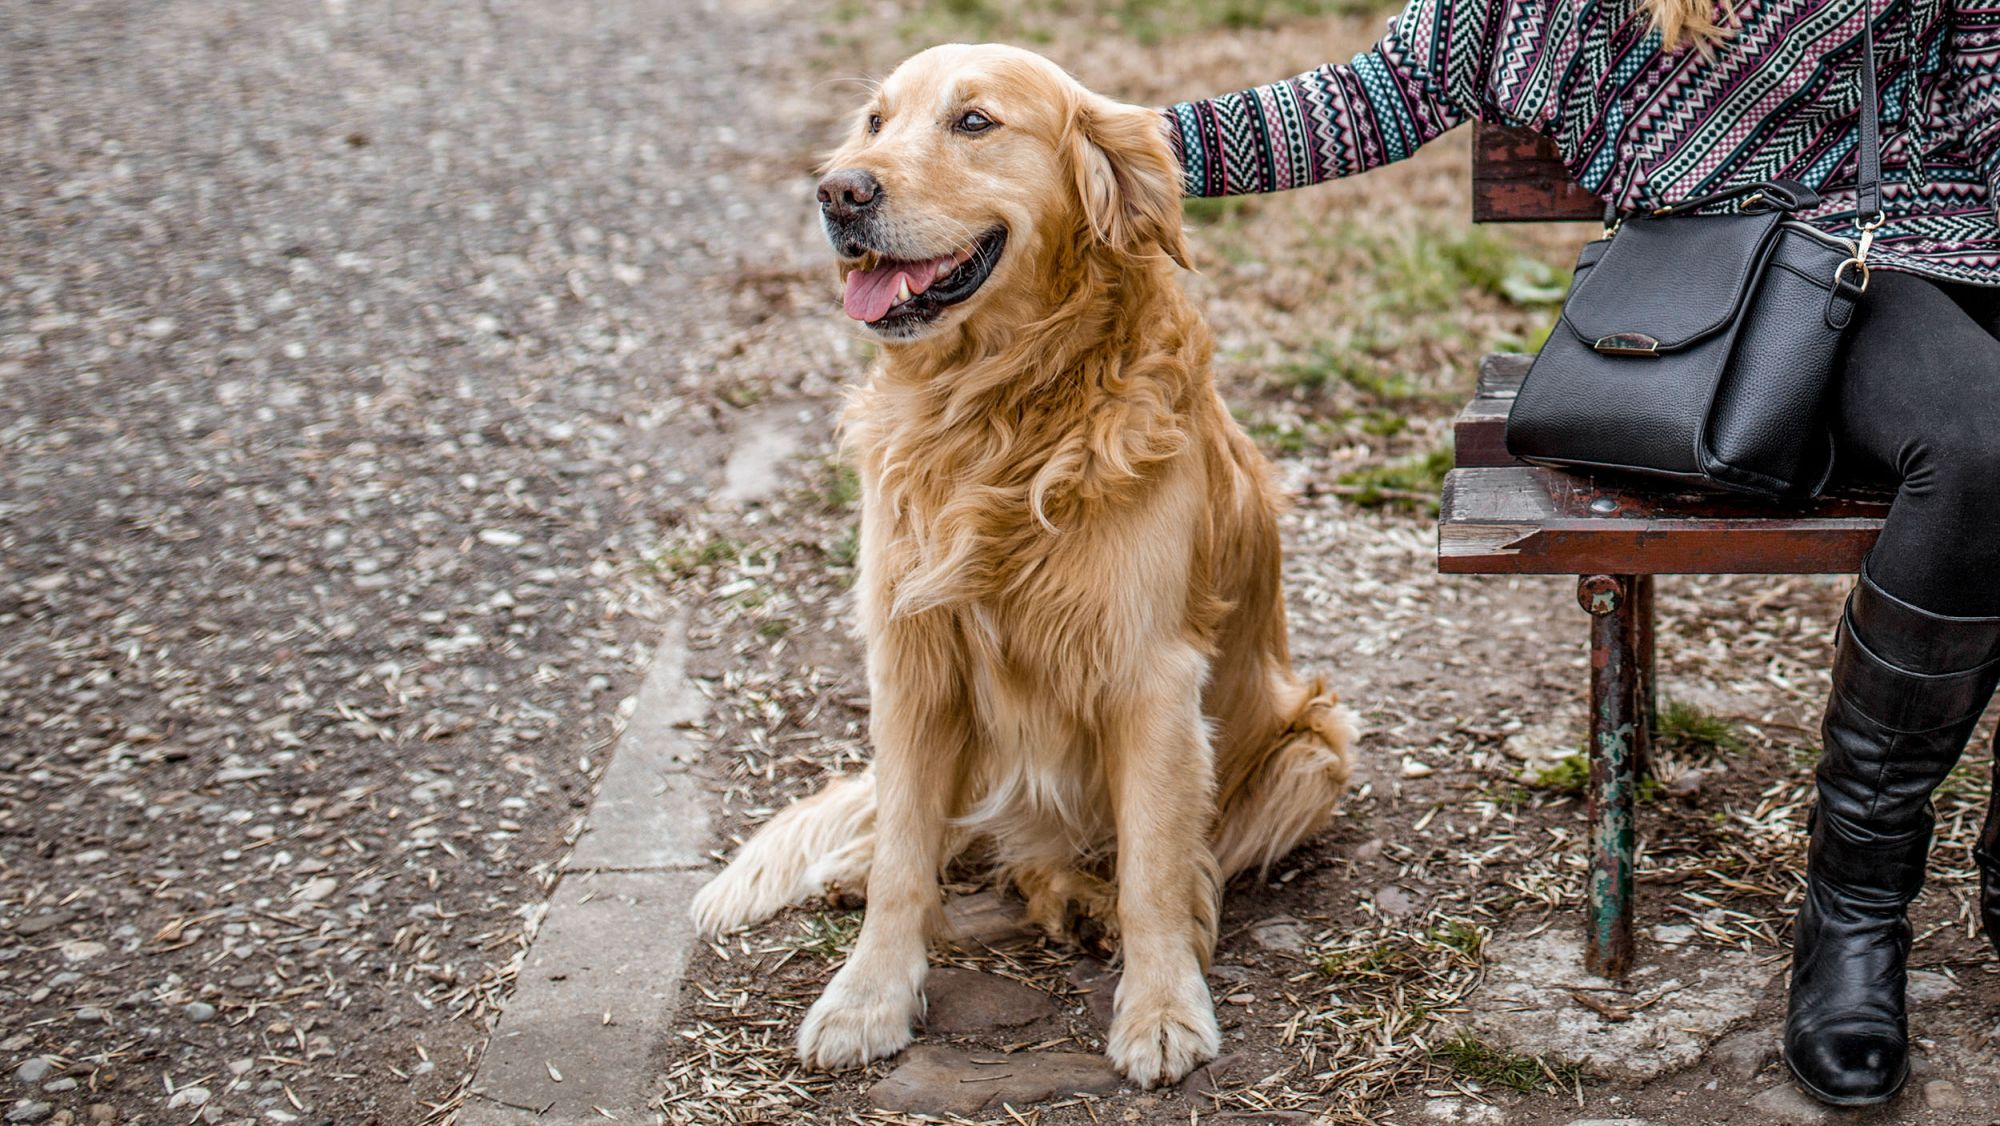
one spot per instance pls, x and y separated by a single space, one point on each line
871 293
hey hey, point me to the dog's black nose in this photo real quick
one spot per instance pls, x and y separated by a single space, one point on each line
848 193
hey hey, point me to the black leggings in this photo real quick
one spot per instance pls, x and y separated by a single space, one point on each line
1918 408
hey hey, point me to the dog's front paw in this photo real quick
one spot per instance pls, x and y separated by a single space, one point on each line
1157 1039
855 1021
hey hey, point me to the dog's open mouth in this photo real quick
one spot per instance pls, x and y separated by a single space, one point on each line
890 293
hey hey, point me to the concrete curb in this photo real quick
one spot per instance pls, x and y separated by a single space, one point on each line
596 993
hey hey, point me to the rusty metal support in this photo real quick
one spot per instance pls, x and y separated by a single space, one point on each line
1618 737
1649 670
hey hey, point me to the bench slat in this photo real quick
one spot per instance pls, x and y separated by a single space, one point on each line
1479 434
1517 177
1534 521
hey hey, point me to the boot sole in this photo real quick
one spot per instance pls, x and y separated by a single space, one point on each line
1843 1100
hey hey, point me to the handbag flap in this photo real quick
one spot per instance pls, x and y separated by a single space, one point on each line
1665 284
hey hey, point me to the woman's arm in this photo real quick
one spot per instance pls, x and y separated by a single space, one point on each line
1975 61
1341 119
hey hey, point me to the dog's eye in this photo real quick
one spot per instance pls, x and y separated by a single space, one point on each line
974 122
874 124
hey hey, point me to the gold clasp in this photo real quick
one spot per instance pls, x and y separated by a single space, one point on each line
1861 248
1868 230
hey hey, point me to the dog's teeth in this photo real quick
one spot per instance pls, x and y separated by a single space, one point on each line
902 289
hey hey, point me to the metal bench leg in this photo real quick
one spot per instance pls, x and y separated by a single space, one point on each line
1649 668
1618 725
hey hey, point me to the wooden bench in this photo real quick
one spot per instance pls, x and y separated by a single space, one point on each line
1501 517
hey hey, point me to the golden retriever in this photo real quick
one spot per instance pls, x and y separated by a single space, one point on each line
1069 573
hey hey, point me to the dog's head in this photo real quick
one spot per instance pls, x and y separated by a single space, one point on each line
976 176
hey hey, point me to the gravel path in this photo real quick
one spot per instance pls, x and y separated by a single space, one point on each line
352 355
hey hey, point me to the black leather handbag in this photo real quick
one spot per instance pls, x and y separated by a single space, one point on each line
1700 347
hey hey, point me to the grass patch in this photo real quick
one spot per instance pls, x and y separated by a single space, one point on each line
1689 729
1412 482
846 550
1210 211
1426 269
1569 776
685 560
828 934
1402 954
1358 364
1283 439
839 487
1481 1062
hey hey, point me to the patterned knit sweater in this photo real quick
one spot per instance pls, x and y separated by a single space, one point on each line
1643 128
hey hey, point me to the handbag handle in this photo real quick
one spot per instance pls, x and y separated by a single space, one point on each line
1868 178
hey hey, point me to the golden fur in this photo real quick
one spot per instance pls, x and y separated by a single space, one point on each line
1069 581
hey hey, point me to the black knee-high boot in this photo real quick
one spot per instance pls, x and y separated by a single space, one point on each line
1908 688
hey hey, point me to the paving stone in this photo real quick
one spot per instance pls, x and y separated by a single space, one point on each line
1452 1109
1210 1075
935 1080
1943 1094
1281 933
989 918
1741 1056
1673 934
1394 902
1098 983
1526 1006
34 925
1787 1103
969 1001
1928 986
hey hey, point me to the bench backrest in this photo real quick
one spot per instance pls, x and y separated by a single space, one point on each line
1518 177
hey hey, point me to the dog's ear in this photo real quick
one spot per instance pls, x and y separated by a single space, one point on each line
1127 178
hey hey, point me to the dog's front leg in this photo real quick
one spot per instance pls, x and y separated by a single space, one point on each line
922 733
1161 774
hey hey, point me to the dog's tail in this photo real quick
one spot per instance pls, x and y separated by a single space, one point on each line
823 844
1292 793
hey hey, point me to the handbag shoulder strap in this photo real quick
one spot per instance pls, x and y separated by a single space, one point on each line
1868 194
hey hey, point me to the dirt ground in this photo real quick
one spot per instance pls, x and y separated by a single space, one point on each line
374 379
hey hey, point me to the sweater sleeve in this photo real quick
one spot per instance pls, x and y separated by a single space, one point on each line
1975 63
1420 80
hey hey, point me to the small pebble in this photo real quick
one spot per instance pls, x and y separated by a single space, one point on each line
28 1110
188 1097
33 1069
200 1012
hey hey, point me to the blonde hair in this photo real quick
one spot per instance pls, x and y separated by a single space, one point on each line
1682 22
